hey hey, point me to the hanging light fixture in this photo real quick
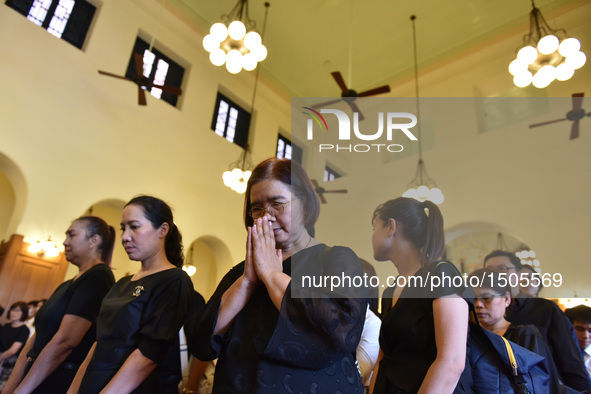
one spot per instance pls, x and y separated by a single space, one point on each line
528 257
234 42
236 178
189 267
546 55
238 173
501 244
422 187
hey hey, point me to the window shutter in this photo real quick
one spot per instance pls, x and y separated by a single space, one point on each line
20 6
79 23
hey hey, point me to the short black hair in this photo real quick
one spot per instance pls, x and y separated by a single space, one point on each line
502 253
579 312
23 306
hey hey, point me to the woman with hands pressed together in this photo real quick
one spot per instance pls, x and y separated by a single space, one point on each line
266 340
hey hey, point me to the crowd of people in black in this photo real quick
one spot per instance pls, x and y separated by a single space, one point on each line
262 333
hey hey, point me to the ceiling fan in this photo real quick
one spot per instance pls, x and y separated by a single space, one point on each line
574 115
320 191
350 95
143 82
347 94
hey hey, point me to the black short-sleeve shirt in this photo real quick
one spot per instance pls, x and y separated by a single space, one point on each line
145 314
81 297
10 335
557 330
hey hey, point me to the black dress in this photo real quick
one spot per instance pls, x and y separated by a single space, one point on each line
81 297
407 336
145 314
308 346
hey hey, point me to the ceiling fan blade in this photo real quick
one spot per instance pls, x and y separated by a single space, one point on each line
340 81
322 199
355 108
141 96
545 123
578 101
168 89
574 131
114 75
138 59
373 92
325 103
336 191
314 183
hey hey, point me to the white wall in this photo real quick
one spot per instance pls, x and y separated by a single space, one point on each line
7 199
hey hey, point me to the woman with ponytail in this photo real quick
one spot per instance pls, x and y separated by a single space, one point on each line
424 318
65 324
141 316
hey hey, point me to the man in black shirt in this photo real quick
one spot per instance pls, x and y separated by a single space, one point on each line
580 317
548 318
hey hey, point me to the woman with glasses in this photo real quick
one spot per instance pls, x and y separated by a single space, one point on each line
491 303
424 327
492 300
546 316
266 339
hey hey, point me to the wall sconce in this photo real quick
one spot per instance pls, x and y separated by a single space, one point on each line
43 248
572 302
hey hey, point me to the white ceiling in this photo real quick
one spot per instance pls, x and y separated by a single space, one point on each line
308 39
